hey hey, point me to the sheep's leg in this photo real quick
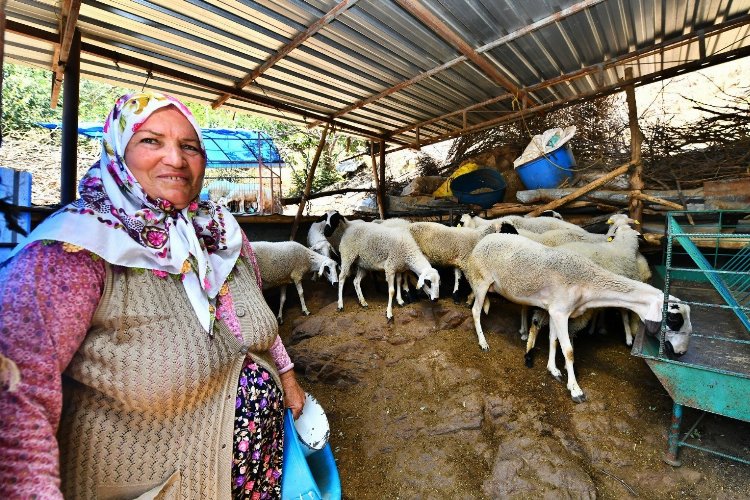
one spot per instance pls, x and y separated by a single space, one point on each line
524 331
536 325
625 314
282 299
594 321
558 323
390 278
358 286
399 279
301 294
480 292
408 297
343 274
551 363
456 282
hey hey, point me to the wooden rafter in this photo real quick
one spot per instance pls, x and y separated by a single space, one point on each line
415 8
121 58
554 18
601 90
68 20
616 87
298 40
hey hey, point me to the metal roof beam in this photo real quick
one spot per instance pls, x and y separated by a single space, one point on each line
30 31
68 20
298 40
415 8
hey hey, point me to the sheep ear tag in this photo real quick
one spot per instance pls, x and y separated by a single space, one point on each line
610 221
610 239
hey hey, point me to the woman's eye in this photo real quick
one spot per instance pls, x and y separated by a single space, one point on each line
149 140
190 147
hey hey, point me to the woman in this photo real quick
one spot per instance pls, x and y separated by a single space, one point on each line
149 302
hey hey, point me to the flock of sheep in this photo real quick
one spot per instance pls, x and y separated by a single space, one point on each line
544 262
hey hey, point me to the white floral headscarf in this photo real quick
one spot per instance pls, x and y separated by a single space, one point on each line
115 218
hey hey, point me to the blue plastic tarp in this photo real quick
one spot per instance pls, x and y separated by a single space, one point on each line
225 148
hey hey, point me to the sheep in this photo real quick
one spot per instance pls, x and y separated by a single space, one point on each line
557 237
331 226
316 240
218 189
562 282
285 262
448 246
389 249
533 224
618 255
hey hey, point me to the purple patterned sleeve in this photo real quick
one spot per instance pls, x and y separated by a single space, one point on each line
280 356
48 294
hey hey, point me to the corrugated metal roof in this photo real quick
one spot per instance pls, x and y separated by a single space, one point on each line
403 70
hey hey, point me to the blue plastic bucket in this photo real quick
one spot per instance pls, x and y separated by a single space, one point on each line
548 171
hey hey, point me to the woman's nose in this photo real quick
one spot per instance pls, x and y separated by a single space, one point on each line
173 156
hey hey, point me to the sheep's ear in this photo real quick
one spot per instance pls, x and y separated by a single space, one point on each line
322 218
322 268
507 228
420 282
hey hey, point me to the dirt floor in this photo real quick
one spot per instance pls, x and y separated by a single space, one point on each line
417 410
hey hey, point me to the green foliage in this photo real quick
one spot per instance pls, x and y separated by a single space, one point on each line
26 93
26 101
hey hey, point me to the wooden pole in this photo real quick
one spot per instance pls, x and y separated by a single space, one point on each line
69 136
580 192
308 182
378 194
381 185
636 138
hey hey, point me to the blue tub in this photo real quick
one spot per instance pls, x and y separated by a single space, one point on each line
548 171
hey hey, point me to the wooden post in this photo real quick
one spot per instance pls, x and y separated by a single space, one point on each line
381 186
636 138
381 209
308 183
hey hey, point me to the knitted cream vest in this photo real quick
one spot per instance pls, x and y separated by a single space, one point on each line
150 397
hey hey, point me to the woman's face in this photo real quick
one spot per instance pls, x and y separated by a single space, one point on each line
165 157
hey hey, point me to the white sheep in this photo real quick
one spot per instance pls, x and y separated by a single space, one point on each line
558 237
285 262
562 282
317 241
380 248
533 224
218 189
448 246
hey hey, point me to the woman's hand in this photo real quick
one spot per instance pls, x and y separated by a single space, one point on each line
294 395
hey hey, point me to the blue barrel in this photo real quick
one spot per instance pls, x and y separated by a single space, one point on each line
548 171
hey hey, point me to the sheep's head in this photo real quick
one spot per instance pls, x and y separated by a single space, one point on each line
429 280
465 221
333 219
223 201
679 328
551 213
328 267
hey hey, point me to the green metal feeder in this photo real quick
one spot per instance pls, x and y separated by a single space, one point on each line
707 265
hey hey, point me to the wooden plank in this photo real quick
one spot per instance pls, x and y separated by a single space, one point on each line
609 196
581 191
727 195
